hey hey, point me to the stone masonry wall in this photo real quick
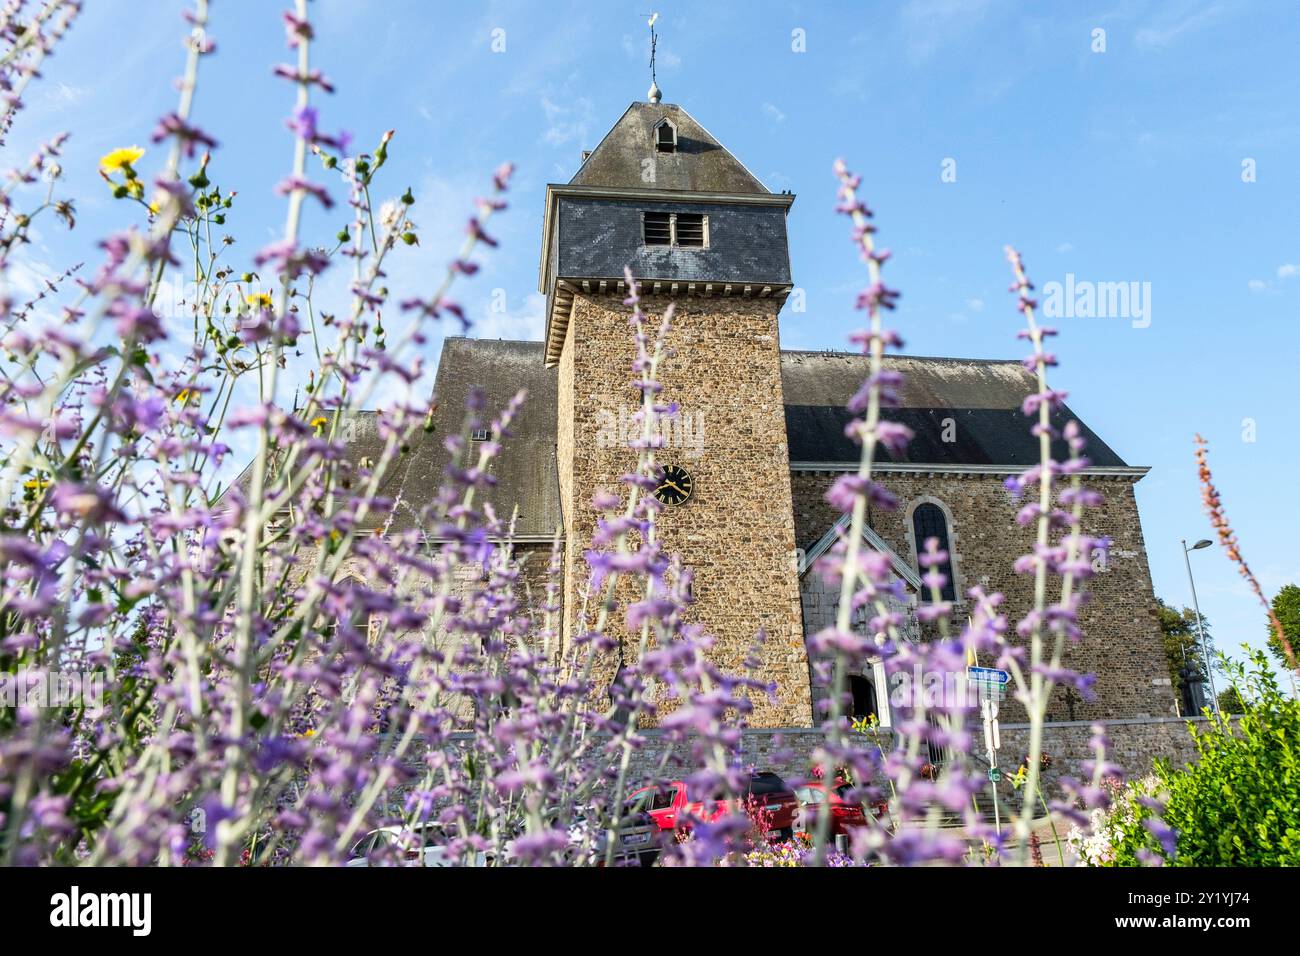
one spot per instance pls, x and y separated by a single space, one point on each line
1122 643
736 532
1135 746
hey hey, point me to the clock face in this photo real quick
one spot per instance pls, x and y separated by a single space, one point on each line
675 485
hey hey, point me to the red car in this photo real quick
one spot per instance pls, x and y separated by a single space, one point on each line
673 808
845 816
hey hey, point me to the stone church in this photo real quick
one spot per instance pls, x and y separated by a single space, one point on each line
760 436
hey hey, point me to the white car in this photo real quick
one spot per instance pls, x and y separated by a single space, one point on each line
433 853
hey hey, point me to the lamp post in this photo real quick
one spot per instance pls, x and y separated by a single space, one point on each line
1200 628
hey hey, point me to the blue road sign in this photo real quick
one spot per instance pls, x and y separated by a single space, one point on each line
987 675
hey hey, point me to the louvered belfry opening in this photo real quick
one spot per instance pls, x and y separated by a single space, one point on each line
690 229
665 137
658 229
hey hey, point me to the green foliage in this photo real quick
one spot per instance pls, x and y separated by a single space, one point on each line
1286 605
1230 701
1182 641
1236 806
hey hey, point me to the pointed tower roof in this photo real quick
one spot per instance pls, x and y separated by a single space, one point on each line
698 163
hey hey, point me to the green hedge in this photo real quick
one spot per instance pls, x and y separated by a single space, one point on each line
1239 804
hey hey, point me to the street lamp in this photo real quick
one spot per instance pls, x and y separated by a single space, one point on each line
1205 647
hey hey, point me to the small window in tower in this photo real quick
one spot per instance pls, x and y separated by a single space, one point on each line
692 229
665 137
658 229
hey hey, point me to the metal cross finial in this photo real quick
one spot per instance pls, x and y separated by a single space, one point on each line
654 96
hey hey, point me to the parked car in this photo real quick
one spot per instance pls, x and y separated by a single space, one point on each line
673 808
640 838
845 815
432 853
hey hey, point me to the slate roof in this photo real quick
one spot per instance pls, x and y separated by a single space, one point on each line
699 164
526 469
983 398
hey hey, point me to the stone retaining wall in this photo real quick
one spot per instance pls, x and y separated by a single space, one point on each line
1135 744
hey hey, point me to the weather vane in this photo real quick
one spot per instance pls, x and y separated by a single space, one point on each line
654 95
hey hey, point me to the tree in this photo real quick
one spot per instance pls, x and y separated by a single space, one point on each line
1183 643
1286 605
1230 701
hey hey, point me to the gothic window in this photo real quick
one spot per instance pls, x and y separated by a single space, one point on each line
929 521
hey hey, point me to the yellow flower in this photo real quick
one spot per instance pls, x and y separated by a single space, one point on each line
185 395
259 300
37 483
120 159
319 421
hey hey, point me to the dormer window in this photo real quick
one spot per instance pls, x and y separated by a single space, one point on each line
687 229
665 137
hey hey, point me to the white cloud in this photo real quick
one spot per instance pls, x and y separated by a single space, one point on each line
527 322
1065 247
566 124
61 96
667 59
774 112
928 25
27 278
975 305
1163 35
1287 270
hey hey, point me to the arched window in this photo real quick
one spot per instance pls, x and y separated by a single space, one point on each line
929 521
864 697
665 137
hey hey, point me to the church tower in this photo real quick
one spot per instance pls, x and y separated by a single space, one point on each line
661 196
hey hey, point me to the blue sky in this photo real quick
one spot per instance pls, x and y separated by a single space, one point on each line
1117 166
